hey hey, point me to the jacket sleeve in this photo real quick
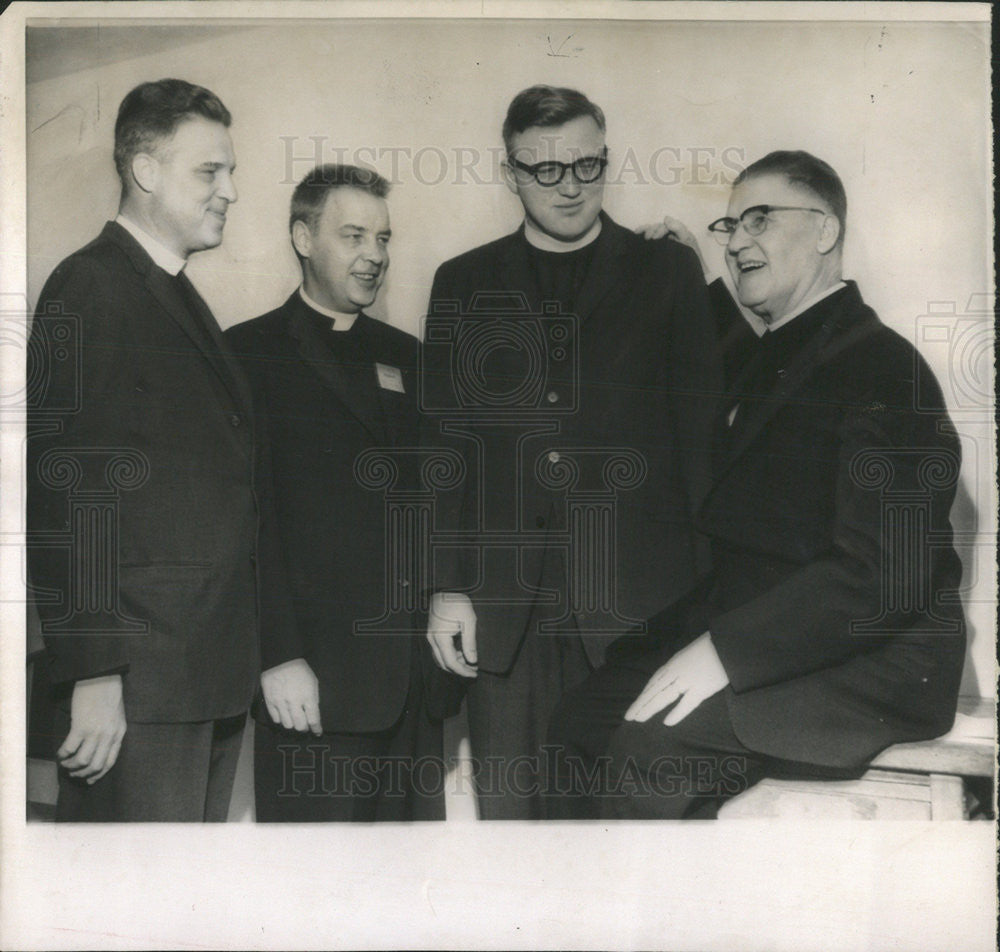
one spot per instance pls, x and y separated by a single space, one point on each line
452 568
76 354
280 637
696 381
808 621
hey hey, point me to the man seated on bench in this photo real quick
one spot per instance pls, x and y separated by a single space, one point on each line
829 627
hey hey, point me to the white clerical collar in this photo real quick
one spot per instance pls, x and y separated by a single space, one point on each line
341 321
170 261
538 239
805 305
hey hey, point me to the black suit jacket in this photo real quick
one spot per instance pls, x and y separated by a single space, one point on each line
833 601
320 415
140 412
647 379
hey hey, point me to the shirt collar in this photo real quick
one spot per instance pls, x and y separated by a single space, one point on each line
162 256
805 305
538 239
341 321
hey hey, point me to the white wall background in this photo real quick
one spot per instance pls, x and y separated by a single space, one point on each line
900 110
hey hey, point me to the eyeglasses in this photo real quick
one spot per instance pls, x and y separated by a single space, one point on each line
587 169
754 220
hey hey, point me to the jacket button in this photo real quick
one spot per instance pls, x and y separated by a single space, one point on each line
552 396
540 522
235 419
404 583
554 457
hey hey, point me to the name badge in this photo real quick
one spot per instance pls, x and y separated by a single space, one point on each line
389 378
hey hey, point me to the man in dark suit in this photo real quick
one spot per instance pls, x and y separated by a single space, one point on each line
830 626
615 384
142 511
345 730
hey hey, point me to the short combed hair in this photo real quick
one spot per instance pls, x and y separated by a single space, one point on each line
547 106
310 194
805 170
152 111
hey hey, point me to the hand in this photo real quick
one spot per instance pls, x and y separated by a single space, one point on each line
689 677
291 693
676 230
452 616
97 727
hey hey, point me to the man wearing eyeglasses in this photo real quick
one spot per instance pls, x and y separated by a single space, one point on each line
637 373
830 626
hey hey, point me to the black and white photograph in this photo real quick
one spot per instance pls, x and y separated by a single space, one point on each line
525 474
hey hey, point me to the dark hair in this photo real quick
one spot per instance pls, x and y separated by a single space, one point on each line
801 168
152 111
547 106
310 194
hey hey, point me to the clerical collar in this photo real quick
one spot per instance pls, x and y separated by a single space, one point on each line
538 239
162 256
805 305
341 321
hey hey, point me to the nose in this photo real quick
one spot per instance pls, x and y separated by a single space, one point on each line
738 240
227 188
570 186
375 252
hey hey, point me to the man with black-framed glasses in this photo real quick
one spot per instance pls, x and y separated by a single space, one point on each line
570 341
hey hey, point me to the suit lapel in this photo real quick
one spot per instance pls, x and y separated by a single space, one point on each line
354 386
161 286
609 268
847 322
516 273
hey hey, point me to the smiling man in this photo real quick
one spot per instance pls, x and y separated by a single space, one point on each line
829 627
343 717
149 609
630 365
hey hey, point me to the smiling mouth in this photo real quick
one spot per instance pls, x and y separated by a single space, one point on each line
364 277
745 267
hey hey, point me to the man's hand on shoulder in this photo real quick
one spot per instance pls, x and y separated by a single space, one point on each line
676 230
453 617
97 728
691 676
291 694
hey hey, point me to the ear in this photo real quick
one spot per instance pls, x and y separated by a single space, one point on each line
829 233
145 171
302 238
508 177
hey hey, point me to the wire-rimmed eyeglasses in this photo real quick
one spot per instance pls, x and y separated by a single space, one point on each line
754 220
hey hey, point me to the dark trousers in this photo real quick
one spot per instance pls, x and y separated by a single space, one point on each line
396 774
165 772
508 716
603 766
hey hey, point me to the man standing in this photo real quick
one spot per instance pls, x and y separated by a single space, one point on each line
830 627
142 515
345 717
631 369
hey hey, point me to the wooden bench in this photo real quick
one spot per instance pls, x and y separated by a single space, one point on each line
919 781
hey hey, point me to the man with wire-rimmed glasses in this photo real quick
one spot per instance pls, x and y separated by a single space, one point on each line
518 608
830 626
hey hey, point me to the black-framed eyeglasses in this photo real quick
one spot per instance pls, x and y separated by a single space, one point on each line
754 220
587 169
